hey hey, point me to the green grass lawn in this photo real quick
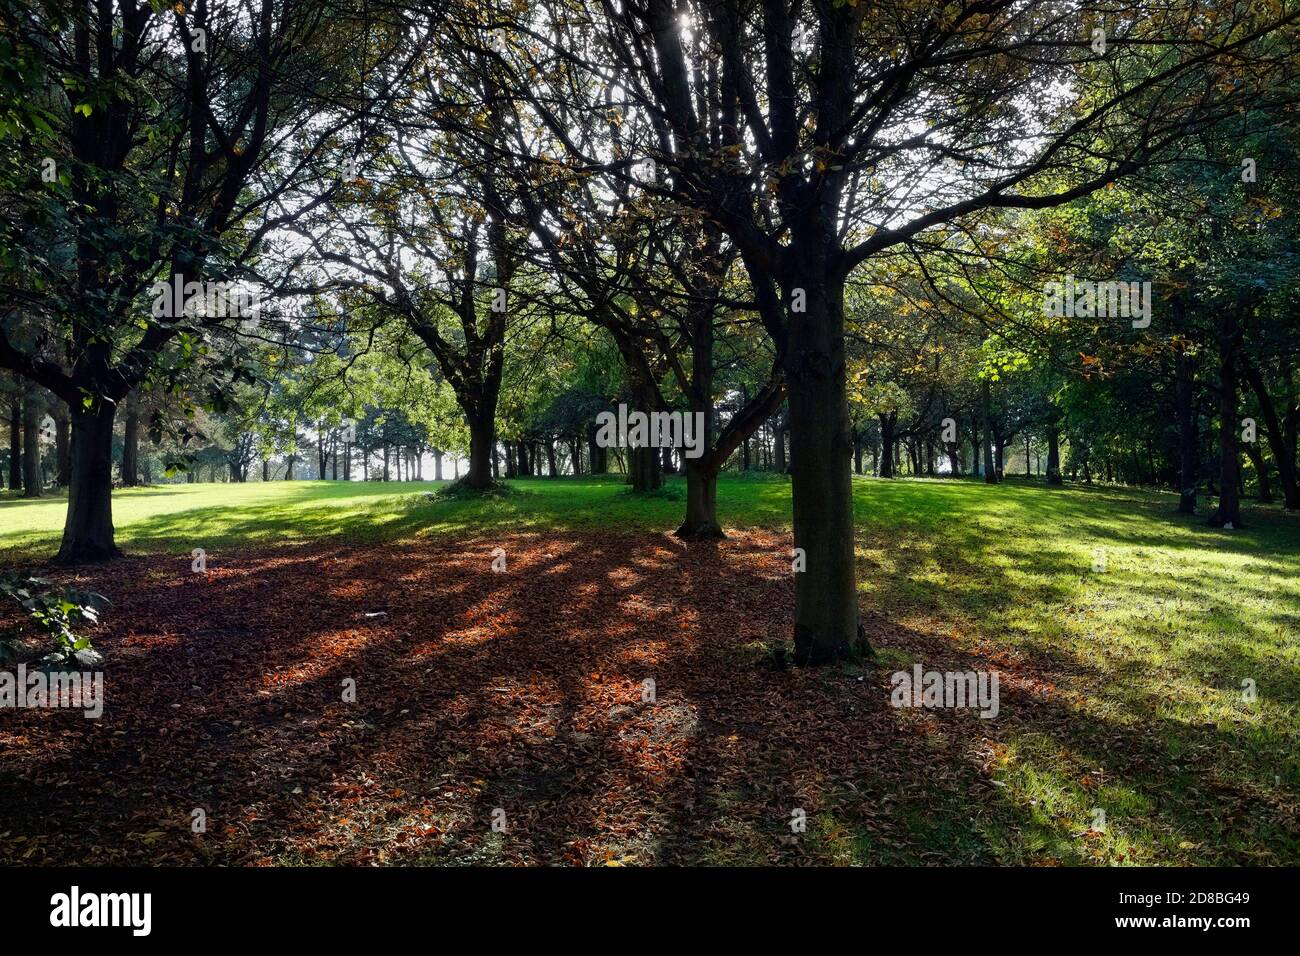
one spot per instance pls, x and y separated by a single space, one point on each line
1149 654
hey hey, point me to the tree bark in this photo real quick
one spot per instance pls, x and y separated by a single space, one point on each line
826 624
1054 455
887 440
131 447
482 438
990 469
31 447
88 531
1284 452
1229 510
16 445
62 450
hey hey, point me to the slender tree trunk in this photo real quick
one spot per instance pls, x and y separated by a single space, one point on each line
990 468
954 458
1284 451
1053 454
16 445
1229 511
1265 489
31 447
131 445
88 531
778 445
63 450
887 444
596 455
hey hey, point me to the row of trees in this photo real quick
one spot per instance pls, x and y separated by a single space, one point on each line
830 212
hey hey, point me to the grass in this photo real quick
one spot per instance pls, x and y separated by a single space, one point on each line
1148 622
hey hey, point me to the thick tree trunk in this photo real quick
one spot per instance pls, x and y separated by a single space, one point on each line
643 469
131 447
954 457
701 522
88 531
551 469
575 457
990 468
437 464
826 625
1053 455
266 469
482 438
31 447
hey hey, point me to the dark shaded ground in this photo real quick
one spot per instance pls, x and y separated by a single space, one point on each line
520 692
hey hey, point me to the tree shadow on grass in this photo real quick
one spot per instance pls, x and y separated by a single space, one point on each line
524 691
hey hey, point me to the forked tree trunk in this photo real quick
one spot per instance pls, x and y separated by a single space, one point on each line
88 531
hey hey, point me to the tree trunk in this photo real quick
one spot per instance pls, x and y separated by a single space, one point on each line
131 447
1284 451
778 445
826 625
954 458
88 531
31 447
62 450
1053 455
1256 456
595 454
482 438
437 464
15 445
643 468
1229 510
990 468
887 444
701 522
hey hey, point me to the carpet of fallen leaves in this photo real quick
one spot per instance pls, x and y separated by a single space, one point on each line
476 691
